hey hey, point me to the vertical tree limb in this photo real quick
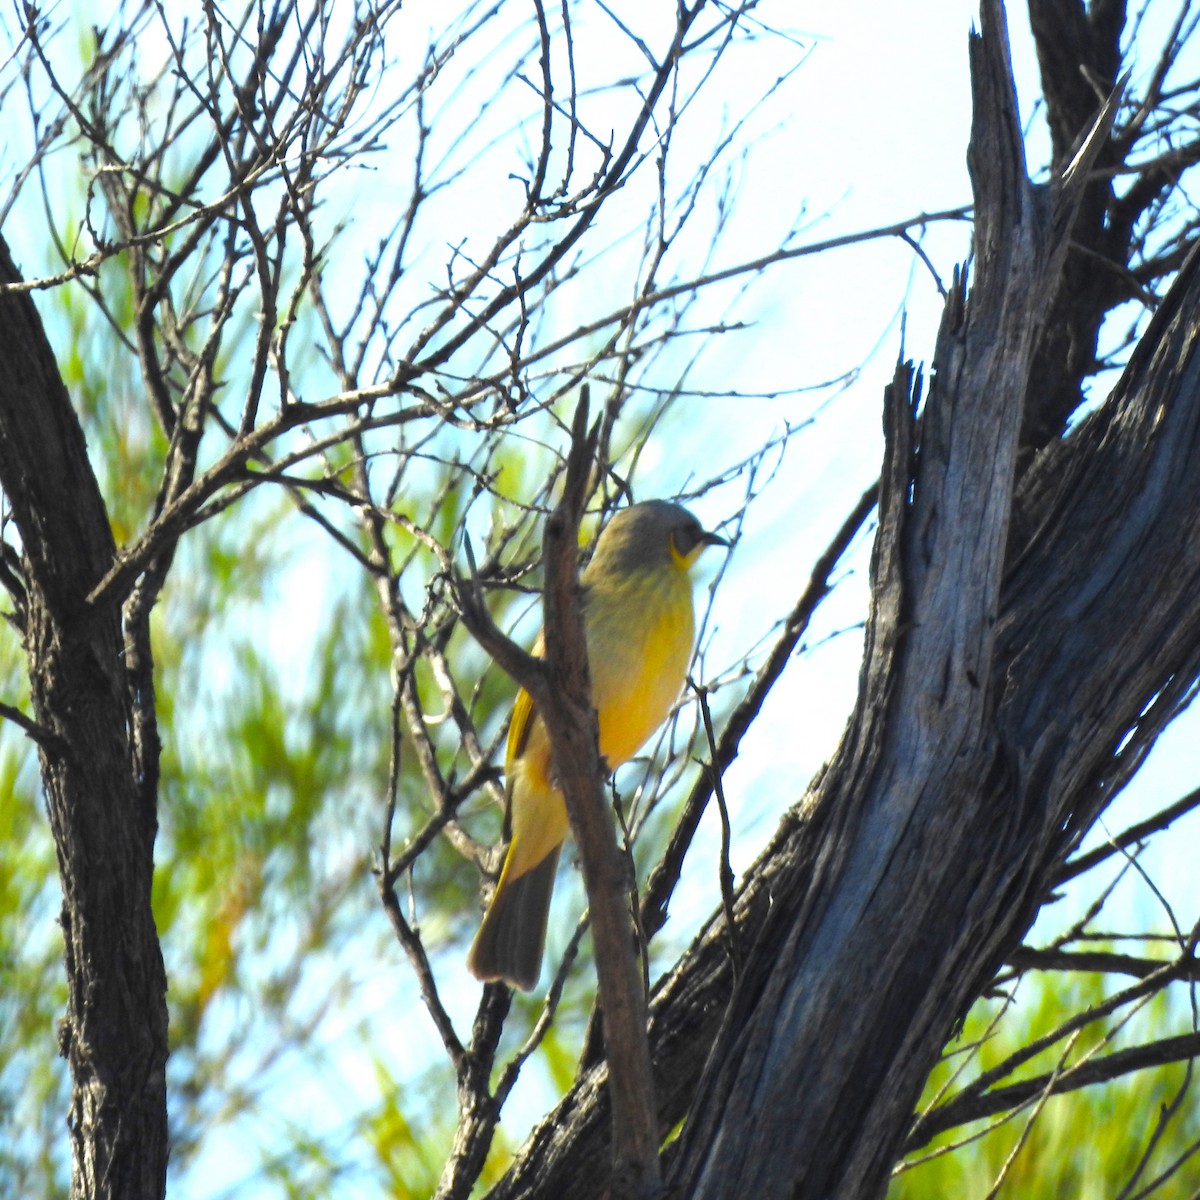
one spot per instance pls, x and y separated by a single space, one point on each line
560 687
114 1035
570 719
895 904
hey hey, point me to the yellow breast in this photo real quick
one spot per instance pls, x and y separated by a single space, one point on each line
639 643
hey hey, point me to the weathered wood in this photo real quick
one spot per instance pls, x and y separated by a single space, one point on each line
1012 681
1079 49
830 1036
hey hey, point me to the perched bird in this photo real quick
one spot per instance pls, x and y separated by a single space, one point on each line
637 613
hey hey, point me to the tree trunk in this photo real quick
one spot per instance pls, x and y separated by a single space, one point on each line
1026 645
115 1032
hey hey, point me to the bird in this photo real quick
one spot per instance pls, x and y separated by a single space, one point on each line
636 601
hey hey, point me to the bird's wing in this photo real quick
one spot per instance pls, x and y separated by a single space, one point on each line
518 727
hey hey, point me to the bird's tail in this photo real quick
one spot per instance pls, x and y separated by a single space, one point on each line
511 940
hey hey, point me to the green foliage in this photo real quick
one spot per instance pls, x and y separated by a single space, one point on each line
1087 1142
407 1154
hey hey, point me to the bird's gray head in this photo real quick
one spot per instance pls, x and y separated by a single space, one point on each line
653 533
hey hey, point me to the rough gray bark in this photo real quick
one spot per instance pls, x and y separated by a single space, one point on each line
114 1035
1014 678
1079 51
903 904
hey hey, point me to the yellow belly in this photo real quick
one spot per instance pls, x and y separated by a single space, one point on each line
638 663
